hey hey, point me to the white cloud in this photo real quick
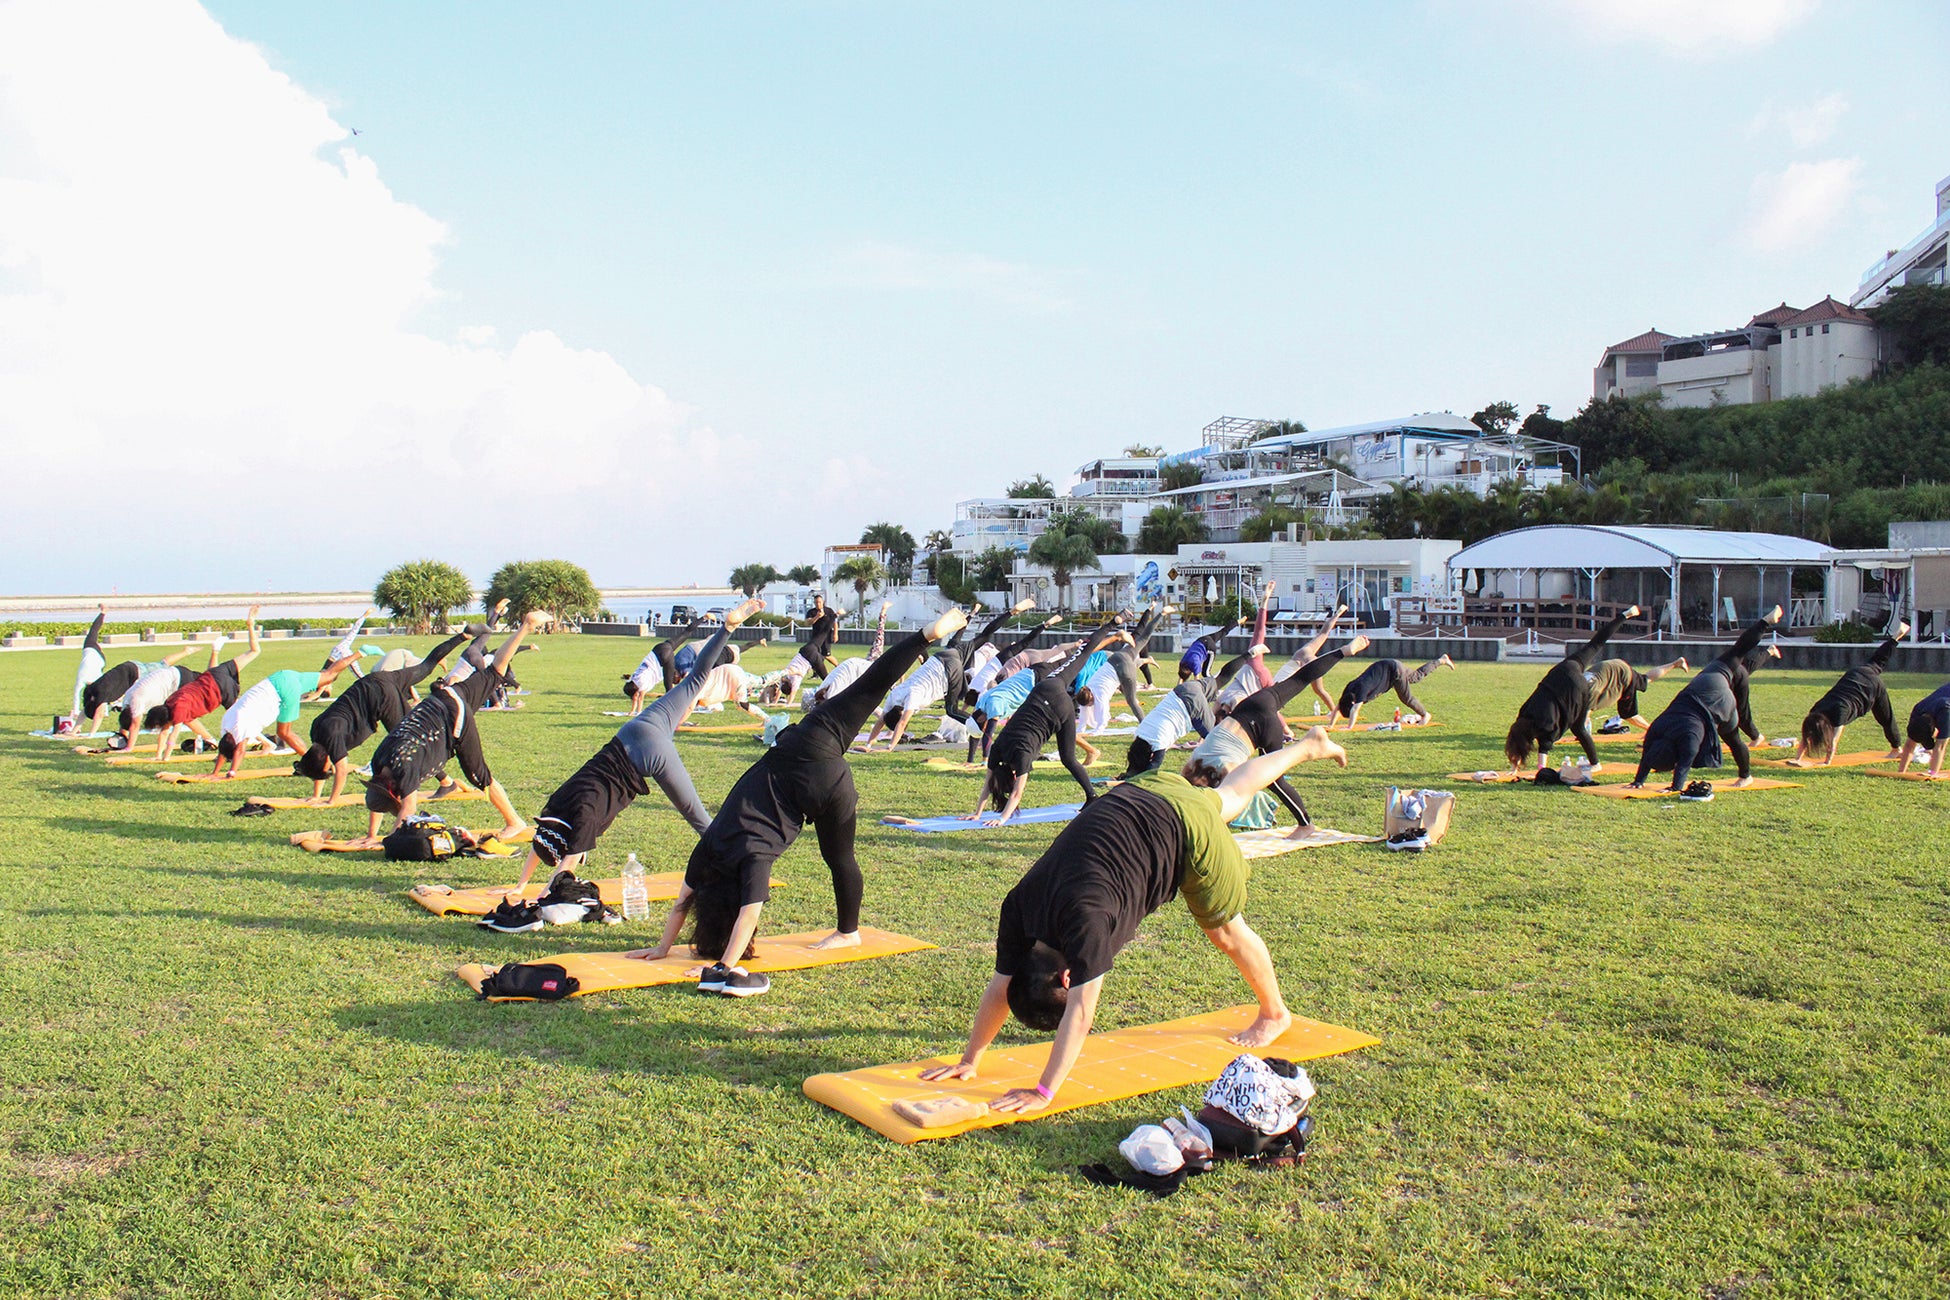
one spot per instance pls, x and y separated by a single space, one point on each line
1692 28
1800 205
207 299
901 268
1807 124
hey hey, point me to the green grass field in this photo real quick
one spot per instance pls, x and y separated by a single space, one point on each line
1629 1048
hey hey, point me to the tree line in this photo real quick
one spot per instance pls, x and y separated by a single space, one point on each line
427 593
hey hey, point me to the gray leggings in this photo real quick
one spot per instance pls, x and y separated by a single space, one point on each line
649 737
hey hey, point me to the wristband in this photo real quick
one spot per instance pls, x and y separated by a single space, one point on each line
1045 1093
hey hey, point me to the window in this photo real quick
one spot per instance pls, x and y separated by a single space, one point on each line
1824 329
1794 334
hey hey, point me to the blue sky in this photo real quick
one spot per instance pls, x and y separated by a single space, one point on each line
877 258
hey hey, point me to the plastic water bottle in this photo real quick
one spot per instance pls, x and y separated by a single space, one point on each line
636 894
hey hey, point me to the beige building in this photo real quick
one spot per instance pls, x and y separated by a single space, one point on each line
1630 368
1826 345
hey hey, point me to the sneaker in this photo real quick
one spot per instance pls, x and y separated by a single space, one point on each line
1697 792
509 917
563 913
713 978
446 791
741 983
1413 840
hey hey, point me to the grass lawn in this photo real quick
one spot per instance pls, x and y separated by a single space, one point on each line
1629 1048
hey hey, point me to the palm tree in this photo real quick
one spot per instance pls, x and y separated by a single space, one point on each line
898 544
938 543
806 575
865 573
1033 489
748 578
1167 528
1064 552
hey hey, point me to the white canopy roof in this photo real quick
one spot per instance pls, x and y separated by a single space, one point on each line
1615 546
1442 424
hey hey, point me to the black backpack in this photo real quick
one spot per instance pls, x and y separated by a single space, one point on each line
422 839
544 981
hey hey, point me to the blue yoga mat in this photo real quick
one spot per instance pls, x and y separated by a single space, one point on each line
1024 817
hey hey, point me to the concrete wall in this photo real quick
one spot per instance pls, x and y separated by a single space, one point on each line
1812 360
1933 659
1739 375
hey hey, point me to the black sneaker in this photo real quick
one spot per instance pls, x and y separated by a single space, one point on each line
512 918
713 978
1697 792
741 983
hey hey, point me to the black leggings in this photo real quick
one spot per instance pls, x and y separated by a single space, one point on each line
421 671
94 641
809 766
1258 715
986 635
1587 654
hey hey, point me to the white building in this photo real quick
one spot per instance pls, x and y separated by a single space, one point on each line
1826 345
1313 577
1921 261
1431 450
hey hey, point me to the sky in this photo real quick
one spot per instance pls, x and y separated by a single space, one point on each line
663 289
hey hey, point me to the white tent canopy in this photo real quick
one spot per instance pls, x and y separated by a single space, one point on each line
1593 549
1617 546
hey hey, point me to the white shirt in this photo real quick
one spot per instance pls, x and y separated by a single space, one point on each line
727 683
1166 724
924 686
254 713
649 673
848 672
1103 688
151 690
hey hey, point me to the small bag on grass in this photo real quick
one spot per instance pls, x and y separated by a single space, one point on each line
1420 817
542 981
423 838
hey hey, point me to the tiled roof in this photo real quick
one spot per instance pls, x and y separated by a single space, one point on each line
1773 316
1826 309
1650 341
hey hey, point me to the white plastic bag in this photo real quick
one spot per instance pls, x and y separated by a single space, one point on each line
1152 1150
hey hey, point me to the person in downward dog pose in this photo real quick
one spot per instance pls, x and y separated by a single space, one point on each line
1186 709
114 684
659 668
1048 711
1200 655
1859 692
379 699
1155 837
93 663
1561 702
441 728
272 703
1928 731
217 687
1380 677
644 749
1254 725
1711 710
815 657
803 778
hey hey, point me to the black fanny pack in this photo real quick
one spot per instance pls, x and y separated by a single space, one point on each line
544 981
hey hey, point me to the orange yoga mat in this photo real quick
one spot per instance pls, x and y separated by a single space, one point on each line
729 729
1044 763
604 972
211 778
353 798
1274 843
1659 790
1115 1065
1911 775
444 900
1487 777
1863 759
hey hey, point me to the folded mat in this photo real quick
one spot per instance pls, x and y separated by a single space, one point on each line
1725 785
1271 844
949 824
603 972
1364 728
1910 776
1863 759
1486 777
1115 1065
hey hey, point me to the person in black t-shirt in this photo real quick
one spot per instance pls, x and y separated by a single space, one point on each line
1380 677
379 699
1125 856
442 727
1859 692
803 778
1050 711
1712 710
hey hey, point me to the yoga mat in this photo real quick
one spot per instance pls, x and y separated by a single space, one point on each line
1487 777
211 778
956 765
346 800
1115 1065
320 842
1274 843
949 825
1910 776
1862 759
1723 786
604 972
734 727
444 900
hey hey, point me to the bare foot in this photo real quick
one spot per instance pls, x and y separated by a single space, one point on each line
1446 662
837 940
947 625
1263 1031
1357 645
1632 612
1743 783
507 833
1902 630
1773 615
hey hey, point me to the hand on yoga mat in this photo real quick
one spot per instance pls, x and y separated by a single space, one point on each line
959 1070
1020 1101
